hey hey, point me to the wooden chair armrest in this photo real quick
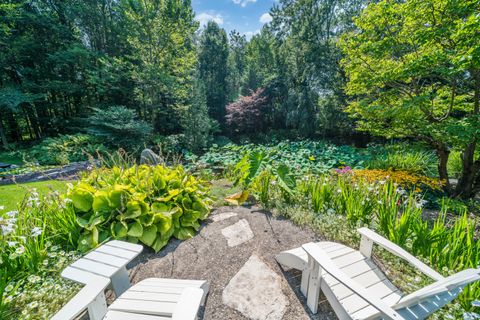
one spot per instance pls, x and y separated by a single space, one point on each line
327 264
369 236
82 300
188 305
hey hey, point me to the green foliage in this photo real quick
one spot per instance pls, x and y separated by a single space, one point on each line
454 164
197 125
139 204
301 157
119 127
28 257
339 203
418 76
403 157
64 149
212 66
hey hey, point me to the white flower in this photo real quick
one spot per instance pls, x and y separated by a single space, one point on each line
2 207
20 250
8 299
34 279
67 200
12 214
32 305
12 243
36 232
476 303
8 288
6 229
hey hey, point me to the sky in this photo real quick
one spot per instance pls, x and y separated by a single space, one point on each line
245 16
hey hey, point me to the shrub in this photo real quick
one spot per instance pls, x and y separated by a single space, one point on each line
119 127
141 203
247 114
64 149
404 157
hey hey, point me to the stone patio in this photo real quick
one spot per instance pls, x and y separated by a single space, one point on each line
235 252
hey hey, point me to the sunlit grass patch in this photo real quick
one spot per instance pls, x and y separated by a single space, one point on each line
13 194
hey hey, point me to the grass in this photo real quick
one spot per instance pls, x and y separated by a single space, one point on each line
11 195
221 189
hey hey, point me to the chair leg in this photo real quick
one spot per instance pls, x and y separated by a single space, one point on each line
314 288
120 282
98 307
304 283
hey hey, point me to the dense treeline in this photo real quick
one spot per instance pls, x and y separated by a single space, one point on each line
62 62
146 70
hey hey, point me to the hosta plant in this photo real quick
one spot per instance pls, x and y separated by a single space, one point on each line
139 204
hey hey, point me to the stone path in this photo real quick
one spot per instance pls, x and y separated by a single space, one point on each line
235 252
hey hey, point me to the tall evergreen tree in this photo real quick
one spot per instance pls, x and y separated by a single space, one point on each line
236 65
213 70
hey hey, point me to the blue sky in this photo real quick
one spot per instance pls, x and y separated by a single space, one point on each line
245 16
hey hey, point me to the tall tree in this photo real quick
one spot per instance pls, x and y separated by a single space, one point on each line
213 70
163 58
236 64
308 31
414 71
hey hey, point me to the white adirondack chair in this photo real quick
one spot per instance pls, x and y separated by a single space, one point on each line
357 289
150 299
109 261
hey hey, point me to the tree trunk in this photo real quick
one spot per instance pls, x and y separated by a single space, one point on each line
443 154
470 170
2 135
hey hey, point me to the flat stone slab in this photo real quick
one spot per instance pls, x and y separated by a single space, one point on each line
238 233
223 216
256 291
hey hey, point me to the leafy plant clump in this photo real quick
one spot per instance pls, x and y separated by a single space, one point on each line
412 158
64 149
139 204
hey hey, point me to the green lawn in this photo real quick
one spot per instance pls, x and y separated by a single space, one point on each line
11 195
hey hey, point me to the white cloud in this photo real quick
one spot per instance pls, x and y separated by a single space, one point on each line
204 17
250 34
266 18
243 3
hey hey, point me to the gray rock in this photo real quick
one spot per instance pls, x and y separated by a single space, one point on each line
256 291
149 157
223 216
67 172
237 233
5 165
